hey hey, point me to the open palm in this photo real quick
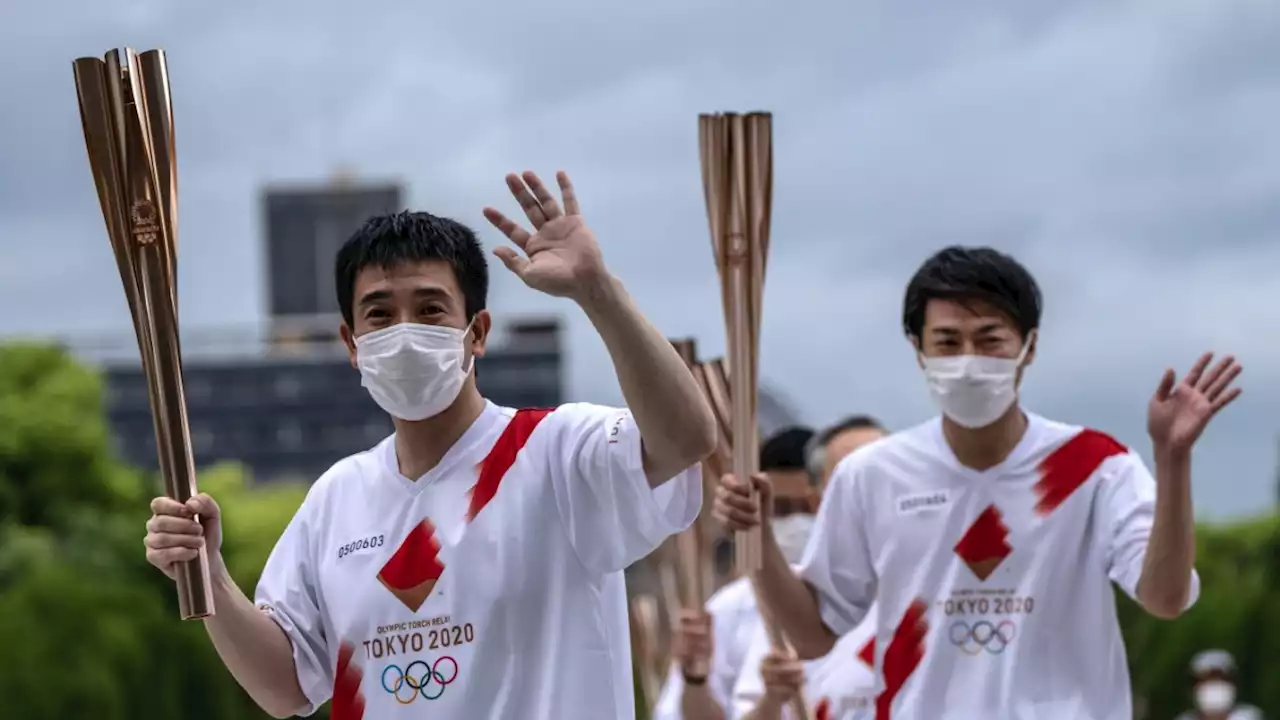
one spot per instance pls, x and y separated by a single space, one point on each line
1180 411
562 257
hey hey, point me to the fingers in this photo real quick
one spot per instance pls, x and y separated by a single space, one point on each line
204 506
567 192
164 560
508 227
1192 378
736 507
169 506
781 671
168 524
1221 376
1226 399
1165 388
532 208
514 261
547 201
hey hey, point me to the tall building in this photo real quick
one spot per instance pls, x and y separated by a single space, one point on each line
305 226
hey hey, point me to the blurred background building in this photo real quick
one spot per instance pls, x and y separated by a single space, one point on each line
282 398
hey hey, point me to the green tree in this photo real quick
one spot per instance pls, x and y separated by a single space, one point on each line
78 601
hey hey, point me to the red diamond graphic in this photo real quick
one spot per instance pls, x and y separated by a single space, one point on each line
985 544
868 654
413 570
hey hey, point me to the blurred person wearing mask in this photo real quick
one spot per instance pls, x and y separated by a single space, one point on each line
469 565
713 647
989 536
842 684
1213 678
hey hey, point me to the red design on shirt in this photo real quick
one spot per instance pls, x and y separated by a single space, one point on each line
985 544
348 700
822 711
903 656
868 654
413 570
502 457
1068 467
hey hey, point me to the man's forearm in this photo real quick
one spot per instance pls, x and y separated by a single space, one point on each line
697 703
789 602
255 650
673 417
1165 584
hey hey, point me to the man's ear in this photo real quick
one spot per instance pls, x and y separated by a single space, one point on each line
348 339
1033 339
478 338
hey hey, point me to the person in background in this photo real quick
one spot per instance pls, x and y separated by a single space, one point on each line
722 637
1213 679
988 536
842 684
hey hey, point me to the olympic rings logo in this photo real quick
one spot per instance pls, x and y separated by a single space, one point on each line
418 679
983 635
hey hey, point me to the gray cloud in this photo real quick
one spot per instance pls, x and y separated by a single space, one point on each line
1124 151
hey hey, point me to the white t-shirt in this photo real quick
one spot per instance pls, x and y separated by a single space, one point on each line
734 619
993 587
839 686
491 587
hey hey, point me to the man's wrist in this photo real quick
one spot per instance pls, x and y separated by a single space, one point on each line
598 294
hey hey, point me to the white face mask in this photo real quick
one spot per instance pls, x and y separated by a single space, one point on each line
413 371
1215 696
974 390
792 533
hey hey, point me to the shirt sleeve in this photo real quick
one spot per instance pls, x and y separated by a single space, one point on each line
1128 508
611 515
287 593
837 563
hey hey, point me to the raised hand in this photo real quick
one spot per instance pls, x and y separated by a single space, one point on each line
562 257
735 507
1180 411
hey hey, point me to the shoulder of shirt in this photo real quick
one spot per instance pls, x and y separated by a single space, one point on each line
737 596
1054 434
351 468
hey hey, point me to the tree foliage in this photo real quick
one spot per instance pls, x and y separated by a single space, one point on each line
88 629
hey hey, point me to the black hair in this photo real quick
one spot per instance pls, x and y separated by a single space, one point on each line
816 450
389 240
785 449
973 274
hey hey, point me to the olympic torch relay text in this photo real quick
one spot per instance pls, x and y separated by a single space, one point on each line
418 636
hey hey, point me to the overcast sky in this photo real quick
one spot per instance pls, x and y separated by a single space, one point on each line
1126 151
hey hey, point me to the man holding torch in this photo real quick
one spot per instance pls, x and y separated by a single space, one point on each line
727 640
470 565
990 537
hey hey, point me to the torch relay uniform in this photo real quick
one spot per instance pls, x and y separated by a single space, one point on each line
491 587
993 587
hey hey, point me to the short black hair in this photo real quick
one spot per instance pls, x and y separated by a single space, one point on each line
785 449
816 451
389 240
973 274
